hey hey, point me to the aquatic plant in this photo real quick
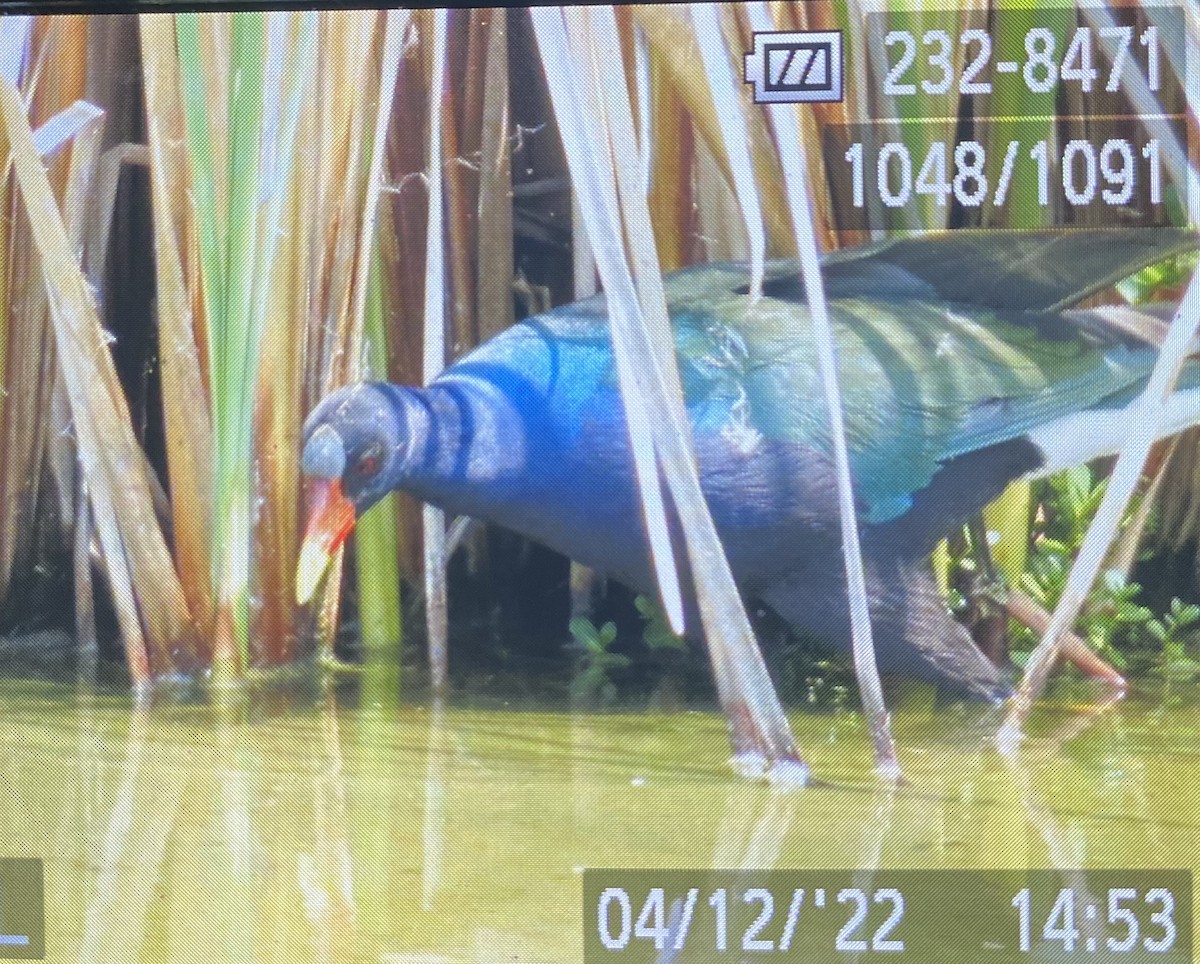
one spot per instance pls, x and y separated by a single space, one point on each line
1159 281
1114 622
597 661
1175 631
657 634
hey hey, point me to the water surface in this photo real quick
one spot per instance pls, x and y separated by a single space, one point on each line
313 822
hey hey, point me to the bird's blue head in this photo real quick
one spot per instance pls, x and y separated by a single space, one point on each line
359 443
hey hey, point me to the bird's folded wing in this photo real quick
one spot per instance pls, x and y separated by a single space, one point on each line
1036 271
921 381
1039 271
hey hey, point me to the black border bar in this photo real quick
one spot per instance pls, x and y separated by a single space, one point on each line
100 7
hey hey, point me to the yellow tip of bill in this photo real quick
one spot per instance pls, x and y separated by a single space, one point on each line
314 560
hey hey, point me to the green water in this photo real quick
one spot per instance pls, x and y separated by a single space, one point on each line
310 823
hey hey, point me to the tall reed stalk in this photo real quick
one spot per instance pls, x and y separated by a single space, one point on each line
46 62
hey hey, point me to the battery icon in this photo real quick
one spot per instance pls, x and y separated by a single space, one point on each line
796 67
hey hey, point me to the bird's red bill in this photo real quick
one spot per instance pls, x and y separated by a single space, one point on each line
330 519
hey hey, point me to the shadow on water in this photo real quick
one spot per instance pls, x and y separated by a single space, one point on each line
326 820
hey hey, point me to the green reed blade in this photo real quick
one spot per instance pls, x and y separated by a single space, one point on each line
377 538
941 561
1010 518
237 365
197 94
203 182
288 69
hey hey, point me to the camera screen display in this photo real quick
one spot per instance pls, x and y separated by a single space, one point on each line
673 482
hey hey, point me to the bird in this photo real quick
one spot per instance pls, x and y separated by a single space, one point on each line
965 364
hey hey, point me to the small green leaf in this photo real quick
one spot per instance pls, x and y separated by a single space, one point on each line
657 633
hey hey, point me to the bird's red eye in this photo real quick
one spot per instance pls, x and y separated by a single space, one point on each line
368 463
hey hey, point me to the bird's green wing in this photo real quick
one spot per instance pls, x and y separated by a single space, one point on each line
924 376
920 381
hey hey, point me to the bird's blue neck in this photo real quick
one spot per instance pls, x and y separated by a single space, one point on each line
471 442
